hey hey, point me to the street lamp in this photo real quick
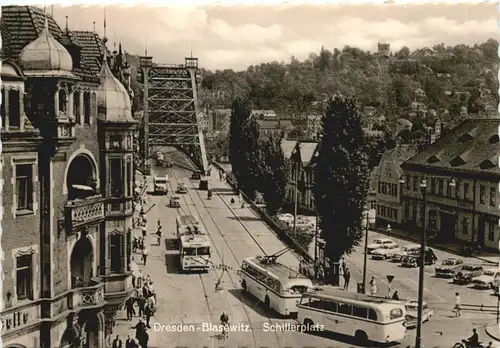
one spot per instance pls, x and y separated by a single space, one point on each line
423 187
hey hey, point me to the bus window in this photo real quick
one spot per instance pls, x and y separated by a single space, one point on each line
360 312
190 251
315 303
330 306
203 251
372 315
396 313
304 301
345 308
299 289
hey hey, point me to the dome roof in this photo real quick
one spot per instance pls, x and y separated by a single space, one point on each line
46 54
112 98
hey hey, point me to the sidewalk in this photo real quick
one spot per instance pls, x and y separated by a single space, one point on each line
487 257
493 330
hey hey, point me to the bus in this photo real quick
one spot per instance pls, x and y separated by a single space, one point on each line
160 184
278 286
367 318
195 252
188 224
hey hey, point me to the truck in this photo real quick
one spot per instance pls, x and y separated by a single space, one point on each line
160 185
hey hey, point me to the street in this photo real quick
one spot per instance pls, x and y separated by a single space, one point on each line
237 233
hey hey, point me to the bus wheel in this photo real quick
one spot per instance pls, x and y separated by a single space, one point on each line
267 302
244 286
361 336
308 323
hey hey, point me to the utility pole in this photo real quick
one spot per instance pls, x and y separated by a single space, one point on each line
296 193
365 259
316 247
423 187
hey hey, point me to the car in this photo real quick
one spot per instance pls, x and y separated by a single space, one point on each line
412 313
175 202
487 279
448 267
466 272
196 176
286 218
409 261
385 252
181 188
404 251
430 257
377 243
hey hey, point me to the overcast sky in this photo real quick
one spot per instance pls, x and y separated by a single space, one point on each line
238 36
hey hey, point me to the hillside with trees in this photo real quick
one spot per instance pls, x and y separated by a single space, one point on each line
410 84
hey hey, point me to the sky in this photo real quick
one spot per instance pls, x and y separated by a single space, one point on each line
235 37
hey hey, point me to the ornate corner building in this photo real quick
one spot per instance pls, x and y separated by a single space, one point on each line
67 172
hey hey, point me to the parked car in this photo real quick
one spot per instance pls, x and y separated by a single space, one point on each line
377 243
175 202
466 273
412 313
181 188
409 261
487 279
404 251
286 218
413 259
448 267
385 252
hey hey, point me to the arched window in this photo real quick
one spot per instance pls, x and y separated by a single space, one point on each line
63 100
86 108
14 108
76 106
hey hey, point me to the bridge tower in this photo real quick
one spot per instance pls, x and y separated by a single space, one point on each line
171 110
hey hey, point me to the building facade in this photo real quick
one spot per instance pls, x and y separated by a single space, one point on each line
389 187
62 286
462 174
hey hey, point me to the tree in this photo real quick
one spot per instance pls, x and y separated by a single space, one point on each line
244 152
274 177
341 179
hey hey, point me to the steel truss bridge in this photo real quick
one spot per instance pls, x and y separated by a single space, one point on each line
171 111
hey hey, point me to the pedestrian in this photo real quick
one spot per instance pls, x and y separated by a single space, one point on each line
140 329
117 342
395 295
129 306
129 343
141 302
139 279
347 278
458 304
232 200
373 287
224 177
321 274
144 231
342 264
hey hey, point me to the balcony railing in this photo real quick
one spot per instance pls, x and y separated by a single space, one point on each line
80 212
87 297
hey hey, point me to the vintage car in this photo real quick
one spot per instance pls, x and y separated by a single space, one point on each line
181 188
175 202
377 243
409 261
448 267
412 313
466 273
406 250
385 252
487 279
196 176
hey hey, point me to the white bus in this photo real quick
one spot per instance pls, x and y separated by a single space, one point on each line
188 224
195 252
160 184
279 287
365 317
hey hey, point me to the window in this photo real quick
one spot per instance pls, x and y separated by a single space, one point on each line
345 308
2 111
372 315
448 189
115 141
24 186
491 232
330 306
360 312
63 101
86 108
76 107
396 313
440 186
415 183
433 185
379 187
482 194
130 172
116 177
24 277
407 182
465 225
315 303
457 190
492 196
466 190
14 109
407 210
116 252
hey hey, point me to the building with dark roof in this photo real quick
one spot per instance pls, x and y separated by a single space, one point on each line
67 178
468 209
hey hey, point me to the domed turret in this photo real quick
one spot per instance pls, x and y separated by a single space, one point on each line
46 54
113 101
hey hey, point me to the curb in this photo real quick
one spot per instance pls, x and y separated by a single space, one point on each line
438 247
495 336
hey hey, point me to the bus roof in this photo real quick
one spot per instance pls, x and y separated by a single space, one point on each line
187 220
196 240
279 270
328 292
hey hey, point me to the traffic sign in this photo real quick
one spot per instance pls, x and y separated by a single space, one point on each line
390 278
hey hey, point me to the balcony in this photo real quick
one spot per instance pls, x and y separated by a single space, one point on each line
87 297
81 212
118 287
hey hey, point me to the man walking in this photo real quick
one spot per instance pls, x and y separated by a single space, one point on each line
148 312
347 278
373 287
129 343
129 305
117 342
144 254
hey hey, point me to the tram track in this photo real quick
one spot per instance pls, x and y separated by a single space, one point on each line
214 245
279 338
